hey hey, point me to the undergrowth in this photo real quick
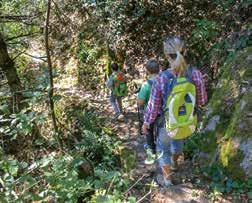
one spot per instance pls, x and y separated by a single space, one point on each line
86 170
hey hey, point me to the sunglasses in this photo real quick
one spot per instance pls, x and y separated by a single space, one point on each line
172 56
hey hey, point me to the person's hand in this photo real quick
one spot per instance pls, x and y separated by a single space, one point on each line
145 128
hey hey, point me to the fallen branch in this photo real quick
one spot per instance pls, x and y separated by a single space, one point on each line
143 176
144 196
110 185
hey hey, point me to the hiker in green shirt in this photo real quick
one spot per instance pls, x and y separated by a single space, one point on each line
152 69
118 86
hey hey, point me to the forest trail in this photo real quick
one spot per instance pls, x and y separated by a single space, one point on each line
143 187
143 175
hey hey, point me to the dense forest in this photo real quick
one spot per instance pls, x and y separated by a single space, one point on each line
59 140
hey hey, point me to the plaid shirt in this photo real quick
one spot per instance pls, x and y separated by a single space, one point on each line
157 97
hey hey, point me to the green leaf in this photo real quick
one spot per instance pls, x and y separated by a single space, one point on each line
4 108
132 199
250 195
12 167
57 98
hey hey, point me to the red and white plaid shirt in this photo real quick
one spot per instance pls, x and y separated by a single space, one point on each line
155 104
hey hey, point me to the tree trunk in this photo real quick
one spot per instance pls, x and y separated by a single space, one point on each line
9 69
50 74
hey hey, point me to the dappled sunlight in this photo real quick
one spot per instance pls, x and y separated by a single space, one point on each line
61 140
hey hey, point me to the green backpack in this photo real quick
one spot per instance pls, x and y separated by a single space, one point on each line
120 88
180 121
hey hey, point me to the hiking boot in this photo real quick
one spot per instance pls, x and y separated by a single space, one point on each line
146 146
163 182
159 179
159 155
167 183
150 157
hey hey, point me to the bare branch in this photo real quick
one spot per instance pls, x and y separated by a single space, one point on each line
20 17
140 200
22 35
42 58
20 53
143 176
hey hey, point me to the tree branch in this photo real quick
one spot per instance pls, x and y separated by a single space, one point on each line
20 17
50 93
22 35
42 58
20 53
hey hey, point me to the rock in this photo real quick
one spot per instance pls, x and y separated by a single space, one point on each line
211 126
228 124
183 193
246 164
209 112
243 104
85 169
249 58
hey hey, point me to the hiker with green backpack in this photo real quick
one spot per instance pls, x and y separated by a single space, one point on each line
175 94
118 86
143 96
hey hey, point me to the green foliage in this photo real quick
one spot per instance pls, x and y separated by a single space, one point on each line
27 21
221 184
204 30
89 56
61 176
205 142
19 123
120 27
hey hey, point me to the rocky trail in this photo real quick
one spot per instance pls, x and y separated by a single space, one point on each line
133 156
143 175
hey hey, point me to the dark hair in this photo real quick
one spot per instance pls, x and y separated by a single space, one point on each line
163 64
114 67
152 66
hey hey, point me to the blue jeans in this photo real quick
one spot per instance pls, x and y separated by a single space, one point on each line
116 103
167 147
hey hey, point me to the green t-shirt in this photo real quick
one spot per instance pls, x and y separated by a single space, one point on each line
144 93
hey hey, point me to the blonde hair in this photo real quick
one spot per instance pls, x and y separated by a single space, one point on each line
175 45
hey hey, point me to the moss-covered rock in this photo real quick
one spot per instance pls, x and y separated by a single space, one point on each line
230 158
231 104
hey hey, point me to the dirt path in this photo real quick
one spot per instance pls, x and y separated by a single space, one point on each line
184 190
144 175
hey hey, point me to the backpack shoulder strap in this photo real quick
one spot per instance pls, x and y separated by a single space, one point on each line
189 73
150 82
168 88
